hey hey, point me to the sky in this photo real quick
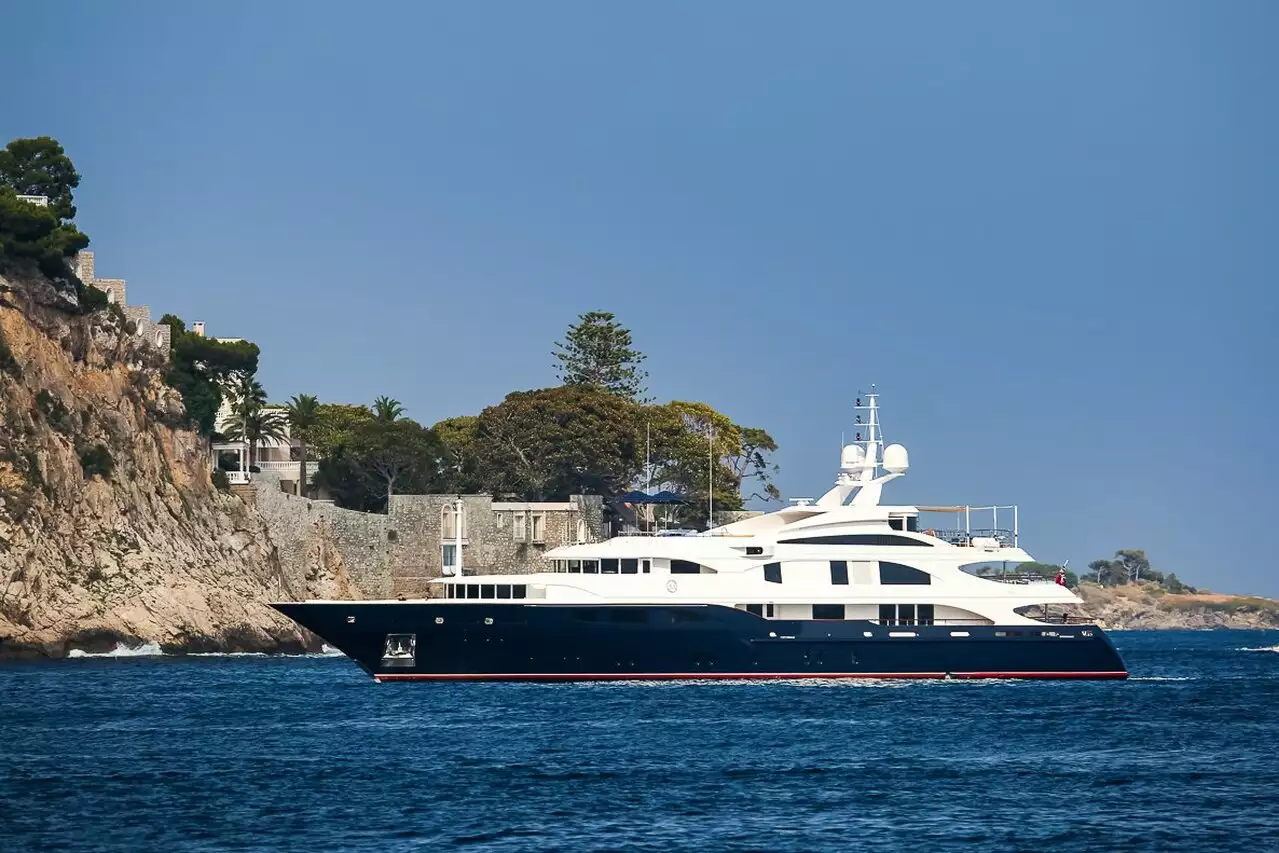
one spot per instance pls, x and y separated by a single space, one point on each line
1048 232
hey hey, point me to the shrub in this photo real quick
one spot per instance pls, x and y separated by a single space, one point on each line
97 460
94 575
220 480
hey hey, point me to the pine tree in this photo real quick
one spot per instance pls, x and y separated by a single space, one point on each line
597 352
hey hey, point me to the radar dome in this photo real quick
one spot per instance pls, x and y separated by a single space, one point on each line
852 458
896 460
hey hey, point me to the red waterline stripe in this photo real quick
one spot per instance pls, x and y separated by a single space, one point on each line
684 676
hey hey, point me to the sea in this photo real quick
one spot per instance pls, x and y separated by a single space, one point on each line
140 752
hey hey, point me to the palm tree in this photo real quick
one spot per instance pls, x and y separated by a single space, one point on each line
255 425
245 392
387 410
303 413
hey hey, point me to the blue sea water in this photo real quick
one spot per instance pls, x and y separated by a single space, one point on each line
302 754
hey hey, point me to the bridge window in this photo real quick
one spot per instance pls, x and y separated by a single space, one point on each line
684 567
773 572
877 539
839 573
828 611
896 573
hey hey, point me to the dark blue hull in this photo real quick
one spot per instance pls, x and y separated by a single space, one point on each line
517 641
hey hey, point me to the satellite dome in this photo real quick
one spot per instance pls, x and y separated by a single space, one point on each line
852 458
896 460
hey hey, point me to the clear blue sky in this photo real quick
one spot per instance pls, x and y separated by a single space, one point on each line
1048 231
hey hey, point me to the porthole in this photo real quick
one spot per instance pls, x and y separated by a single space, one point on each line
439 620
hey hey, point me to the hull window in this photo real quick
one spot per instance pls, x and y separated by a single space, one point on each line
773 572
487 590
472 591
839 572
400 650
828 611
519 591
896 573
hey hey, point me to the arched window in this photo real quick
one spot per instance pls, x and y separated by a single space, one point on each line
450 519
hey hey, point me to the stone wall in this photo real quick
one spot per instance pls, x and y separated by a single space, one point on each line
349 554
338 553
156 334
498 537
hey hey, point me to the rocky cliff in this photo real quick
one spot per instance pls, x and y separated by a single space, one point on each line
1141 606
110 529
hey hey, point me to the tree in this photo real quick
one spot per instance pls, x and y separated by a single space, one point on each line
749 463
459 445
39 166
1047 570
245 392
200 368
255 424
597 352
336 423
304 415
555 442
387 410
377 460
34 236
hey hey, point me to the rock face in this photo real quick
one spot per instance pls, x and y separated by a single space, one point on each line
1142 606
110 529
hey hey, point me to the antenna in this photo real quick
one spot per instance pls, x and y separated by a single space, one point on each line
710 475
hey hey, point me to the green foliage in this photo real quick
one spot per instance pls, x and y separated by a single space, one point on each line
1132 566
387 410
554 442
597 352
250 421
220 480
34 235
96 460
335 424
459 445
39 166
376 460
200 367
303 412
1237 604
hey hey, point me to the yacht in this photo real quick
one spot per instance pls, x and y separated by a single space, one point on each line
843 586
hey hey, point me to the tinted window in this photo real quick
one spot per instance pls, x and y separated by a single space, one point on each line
757 609
896 573
896 523
591 567
504 590
608 567
754 550
887 613
773 572
857 539
828 611
472 591
648 564
925 614
486 590
839 572
768 611
575 567
518 591
684 567
906 613
630 567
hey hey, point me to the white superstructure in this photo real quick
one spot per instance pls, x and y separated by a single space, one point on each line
843 556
